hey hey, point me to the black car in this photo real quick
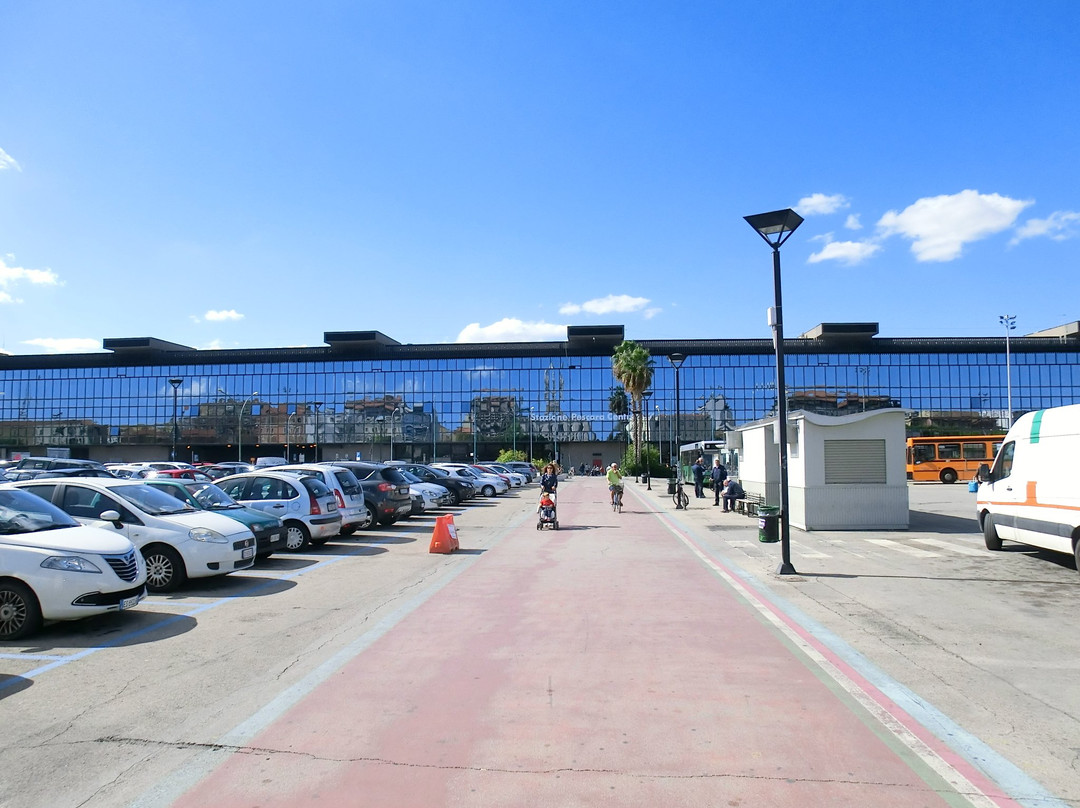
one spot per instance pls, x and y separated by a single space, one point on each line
459 489
386 491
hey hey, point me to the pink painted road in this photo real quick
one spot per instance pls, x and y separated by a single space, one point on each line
609 663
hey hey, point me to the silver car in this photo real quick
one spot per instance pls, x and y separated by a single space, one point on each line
307 507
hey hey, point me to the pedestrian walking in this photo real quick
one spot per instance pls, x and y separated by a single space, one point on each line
699 478
718 474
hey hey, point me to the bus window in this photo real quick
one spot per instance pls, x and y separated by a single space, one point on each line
975 451
948 451
923 452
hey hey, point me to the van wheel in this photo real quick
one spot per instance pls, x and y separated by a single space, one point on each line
296 536
20 614
1076 553
948 476
990 534
164 568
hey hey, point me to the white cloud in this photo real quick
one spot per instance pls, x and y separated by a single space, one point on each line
940 226
648 314
6 298
220 316
852 222
847 252
11 275
65 344
7 161
510 329
1059 225
820 204
606 305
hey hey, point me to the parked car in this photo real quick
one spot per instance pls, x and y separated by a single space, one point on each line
355 514
434 495
177 474
218 470
460 489
176 540
307 507
160 465
386 491
512 477
50 463
521 467
269 530
78 471
490 485
53 568
127 471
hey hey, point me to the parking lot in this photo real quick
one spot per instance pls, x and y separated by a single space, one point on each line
113 710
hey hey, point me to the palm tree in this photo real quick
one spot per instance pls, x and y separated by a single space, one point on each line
632 366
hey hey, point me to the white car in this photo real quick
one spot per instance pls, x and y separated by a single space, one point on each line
176 540
517 479
490 485
433 494
53 568
355 514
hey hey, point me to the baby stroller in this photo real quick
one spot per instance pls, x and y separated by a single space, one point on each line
548 512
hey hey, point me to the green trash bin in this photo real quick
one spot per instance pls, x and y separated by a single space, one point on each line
768 523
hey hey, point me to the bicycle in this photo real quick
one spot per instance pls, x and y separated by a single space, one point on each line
680 497
616 499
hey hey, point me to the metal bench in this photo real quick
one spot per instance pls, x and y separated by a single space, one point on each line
748 505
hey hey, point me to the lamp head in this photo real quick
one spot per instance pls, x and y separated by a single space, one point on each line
776 226
676 360
176 382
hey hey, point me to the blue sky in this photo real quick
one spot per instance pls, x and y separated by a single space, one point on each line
242 174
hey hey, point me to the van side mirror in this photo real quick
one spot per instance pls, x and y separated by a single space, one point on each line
112 516
983 474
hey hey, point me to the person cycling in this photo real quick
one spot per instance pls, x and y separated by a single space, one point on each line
614 478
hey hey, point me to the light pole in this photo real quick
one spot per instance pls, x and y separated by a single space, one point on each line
1009 321
676 360
396 410
240 427
288 433
175 427
775 228
531 410
316 404
641 418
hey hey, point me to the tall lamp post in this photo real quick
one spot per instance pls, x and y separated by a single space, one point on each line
240 427
1009 321
175 426
641 419
288 433
316 405
676 360
396 410
775 228
531 410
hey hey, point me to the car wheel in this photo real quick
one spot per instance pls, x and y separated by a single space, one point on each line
164 568
488 490
990 534
457 497
372 522
20 614
948 476
297 536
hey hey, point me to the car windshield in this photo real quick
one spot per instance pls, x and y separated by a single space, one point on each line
151 500
211 497
23 512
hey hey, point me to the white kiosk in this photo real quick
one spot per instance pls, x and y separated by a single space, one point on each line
845 472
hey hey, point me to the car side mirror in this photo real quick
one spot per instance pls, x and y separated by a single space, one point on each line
983 473
112 516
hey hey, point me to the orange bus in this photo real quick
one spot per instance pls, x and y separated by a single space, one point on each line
948 458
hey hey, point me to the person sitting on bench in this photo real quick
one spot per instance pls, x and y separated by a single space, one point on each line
732 492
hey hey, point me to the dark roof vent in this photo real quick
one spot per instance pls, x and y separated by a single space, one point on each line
141 345
357 340
842 332
594 335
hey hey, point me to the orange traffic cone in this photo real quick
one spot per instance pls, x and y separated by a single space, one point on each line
444 538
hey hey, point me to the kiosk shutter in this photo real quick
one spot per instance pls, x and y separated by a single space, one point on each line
856 462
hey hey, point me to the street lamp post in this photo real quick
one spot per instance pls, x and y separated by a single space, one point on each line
531 410
288 433
641 419
175 426
316 405
775 228
396 410
676 360
1009 321
240 427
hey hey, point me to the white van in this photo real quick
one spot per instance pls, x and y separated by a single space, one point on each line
1032 493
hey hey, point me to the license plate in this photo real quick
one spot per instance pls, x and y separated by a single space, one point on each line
130 603
331 506
248 553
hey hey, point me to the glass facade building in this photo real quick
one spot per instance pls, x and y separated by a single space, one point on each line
365 394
